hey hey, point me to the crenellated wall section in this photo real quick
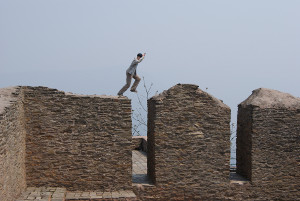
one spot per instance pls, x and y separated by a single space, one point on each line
52 138
188 147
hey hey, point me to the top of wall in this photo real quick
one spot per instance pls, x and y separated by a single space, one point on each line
78 95
269 98
94 96
7 96
180 89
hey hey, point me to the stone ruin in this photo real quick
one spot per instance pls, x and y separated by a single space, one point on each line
49 138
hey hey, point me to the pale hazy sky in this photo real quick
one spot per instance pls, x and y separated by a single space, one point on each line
229 47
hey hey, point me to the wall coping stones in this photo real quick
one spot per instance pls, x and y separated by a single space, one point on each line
78 95
96 96
188 87
7 95
269 98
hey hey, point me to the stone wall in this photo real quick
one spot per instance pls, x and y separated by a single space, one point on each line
77 142
12 144
84 143
188 140
139 143
268 139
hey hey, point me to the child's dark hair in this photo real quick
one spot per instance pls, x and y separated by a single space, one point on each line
139 55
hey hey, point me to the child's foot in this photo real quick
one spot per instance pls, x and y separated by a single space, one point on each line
135 91
122 96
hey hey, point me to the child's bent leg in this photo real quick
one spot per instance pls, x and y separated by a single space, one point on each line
136 82
127 85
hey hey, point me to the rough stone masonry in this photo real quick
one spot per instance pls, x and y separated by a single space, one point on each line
268 143
73 141
51 138
188 141
77 142
12 144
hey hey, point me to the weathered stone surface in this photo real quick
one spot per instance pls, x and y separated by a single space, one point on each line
269 98
188 141
268 139
73 141
267 149
12 144
78 142
139 143
83 143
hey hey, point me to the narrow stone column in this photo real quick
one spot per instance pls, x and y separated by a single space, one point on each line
188 140
268 139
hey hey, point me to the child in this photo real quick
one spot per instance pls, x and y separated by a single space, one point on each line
131 73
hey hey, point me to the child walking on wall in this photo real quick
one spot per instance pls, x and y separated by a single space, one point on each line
131 73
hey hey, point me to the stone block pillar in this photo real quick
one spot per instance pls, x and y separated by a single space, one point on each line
188 139
268 139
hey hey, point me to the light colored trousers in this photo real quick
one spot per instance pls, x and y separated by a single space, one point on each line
128 82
